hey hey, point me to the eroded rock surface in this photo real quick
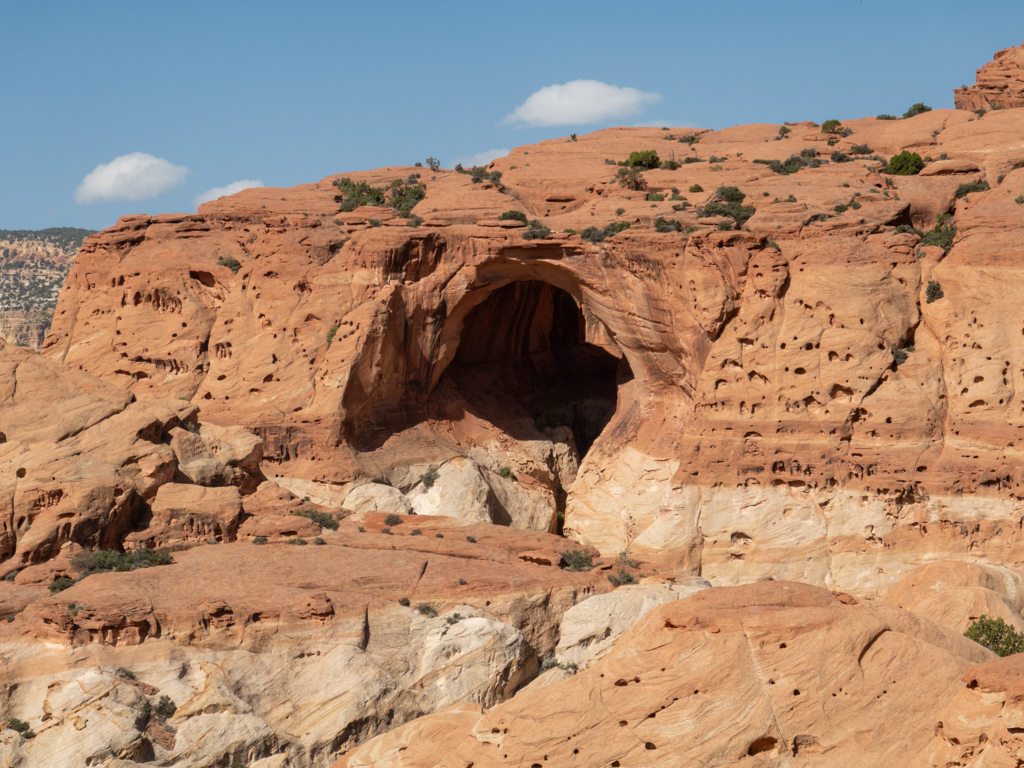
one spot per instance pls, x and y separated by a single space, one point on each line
782 672
730 397
281 648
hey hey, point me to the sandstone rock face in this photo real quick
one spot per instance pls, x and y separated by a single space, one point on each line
281 649
981 726
590 629
730 399
955 594
190 513
377 497
780 671
999 85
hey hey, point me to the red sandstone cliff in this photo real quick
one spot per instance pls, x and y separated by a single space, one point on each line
744 370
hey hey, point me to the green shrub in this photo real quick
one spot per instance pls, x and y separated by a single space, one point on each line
535 230
414 221
462 582
298 541
906 163
105 560
427 610
230 262
671 165
125 674
691 159
319 541
619 211
772 244
578 560
934 292
323 519
479 173
840 157
433 164
506 473
714 159
631 178
730 194
831 126
690 140
855 205
738 213
655 197
331 334
392 520
793 164
1019 199
259 540
21 727
471 540
404 601
438 535
942 235
165 708
860 149
375 222
899 357
572 136
352 194
11 575
429 477
725 226
916 109
696 188
840 208
513 216
648 158
996 635
784 131
976 186
667 225
887 117
415 532
386 531
596 235
622 577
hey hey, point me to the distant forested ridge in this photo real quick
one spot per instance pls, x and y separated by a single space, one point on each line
66 238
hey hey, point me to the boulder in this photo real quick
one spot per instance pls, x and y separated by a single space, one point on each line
376 497
190 514
591 628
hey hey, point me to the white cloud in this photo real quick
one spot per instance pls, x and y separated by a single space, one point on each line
228 189
137 176
580 101
480 158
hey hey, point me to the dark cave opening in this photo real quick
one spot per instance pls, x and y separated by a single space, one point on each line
523 355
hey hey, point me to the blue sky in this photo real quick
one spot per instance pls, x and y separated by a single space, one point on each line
289 93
